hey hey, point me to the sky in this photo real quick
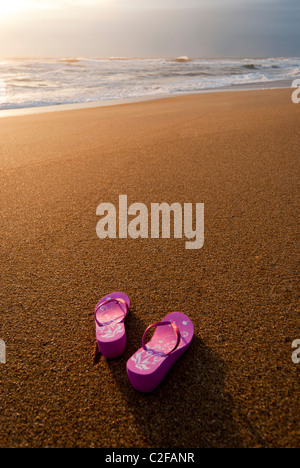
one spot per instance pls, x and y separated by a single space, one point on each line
149 28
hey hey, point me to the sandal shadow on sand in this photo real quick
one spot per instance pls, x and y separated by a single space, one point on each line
150 364
110 314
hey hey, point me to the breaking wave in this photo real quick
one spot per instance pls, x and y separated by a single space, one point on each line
38 82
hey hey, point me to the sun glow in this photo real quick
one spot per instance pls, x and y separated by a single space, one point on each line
14 6
11 6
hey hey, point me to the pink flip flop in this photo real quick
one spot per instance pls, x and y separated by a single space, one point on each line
110 314
148 366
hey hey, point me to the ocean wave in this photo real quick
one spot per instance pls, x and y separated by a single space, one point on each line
69 60
183 59
250 66
120 59
36 82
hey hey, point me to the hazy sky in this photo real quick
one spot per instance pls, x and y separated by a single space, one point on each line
104 28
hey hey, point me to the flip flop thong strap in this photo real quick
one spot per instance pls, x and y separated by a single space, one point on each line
161 324
108 301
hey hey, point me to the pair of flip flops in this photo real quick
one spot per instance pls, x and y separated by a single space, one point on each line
150 364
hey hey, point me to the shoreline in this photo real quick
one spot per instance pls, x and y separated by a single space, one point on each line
272 85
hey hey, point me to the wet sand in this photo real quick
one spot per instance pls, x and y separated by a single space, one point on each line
238 153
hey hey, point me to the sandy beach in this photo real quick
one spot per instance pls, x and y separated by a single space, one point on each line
236 152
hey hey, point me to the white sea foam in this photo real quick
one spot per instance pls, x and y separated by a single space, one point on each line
44 82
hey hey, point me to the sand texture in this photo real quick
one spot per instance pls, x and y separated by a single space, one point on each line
238 153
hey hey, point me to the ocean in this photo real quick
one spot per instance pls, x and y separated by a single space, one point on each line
26 83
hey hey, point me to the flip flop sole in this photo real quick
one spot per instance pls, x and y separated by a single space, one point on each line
111 335
147 368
